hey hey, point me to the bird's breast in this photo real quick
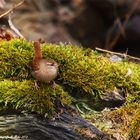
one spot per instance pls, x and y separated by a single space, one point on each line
45 73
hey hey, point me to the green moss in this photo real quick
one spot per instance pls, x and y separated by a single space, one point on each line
24 96
134 130
126 120
78 67
91 71
14 58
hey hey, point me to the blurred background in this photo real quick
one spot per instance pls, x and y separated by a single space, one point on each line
109 24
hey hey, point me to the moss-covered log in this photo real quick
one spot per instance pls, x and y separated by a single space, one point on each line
79 68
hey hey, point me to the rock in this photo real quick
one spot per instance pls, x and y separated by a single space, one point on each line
112 99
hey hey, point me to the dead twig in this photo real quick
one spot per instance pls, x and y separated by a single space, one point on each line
13 8
13 28
119 54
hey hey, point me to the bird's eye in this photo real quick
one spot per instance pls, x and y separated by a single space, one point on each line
52 64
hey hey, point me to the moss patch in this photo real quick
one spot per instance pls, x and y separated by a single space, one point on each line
78 67
126 120
24 96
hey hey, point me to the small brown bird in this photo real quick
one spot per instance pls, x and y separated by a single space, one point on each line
42 69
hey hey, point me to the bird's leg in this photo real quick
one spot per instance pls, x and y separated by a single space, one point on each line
54 85
36 85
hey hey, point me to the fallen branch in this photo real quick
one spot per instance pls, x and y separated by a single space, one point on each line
116 53
10 10
13 28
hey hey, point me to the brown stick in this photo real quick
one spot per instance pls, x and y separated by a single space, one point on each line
116 53
10 10
13 28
